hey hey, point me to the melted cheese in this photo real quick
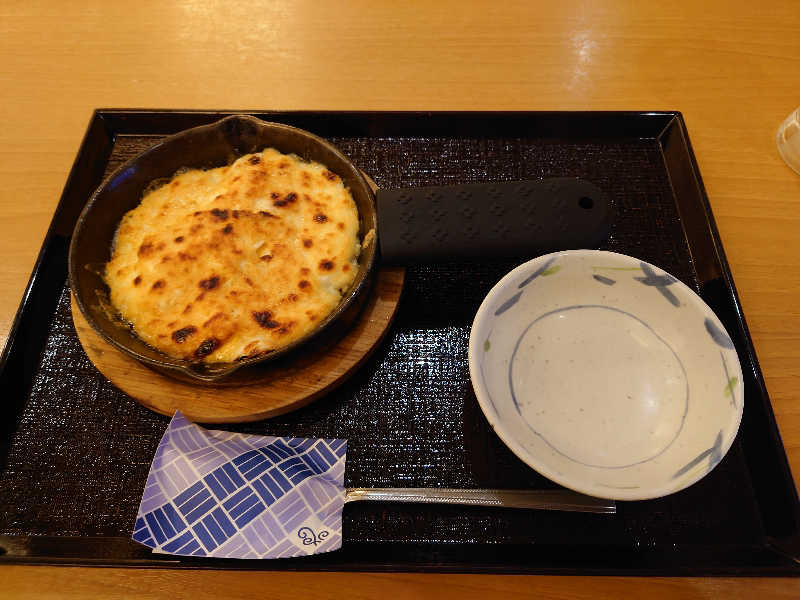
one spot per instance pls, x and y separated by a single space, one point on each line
237 261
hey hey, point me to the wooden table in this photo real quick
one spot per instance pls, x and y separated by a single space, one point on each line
731 67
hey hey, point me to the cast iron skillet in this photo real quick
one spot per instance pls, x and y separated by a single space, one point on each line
202 147
421 224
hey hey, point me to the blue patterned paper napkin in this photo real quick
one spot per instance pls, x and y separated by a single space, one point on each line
229 495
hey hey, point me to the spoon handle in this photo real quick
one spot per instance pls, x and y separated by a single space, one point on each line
539 499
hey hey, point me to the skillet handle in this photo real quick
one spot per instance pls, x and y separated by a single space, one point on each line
520 219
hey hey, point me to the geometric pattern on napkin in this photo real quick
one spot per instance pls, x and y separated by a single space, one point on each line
221 494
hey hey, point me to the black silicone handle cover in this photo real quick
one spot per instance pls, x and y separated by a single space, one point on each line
520 219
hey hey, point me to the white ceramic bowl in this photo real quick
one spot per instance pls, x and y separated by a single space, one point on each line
606 374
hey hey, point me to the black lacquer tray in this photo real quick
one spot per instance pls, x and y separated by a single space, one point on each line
75 451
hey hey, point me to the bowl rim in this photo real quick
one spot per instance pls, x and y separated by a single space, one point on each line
215 372
480 388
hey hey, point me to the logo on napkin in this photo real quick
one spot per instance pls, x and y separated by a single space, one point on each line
229 495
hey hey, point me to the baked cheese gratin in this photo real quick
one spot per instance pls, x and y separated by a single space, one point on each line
235 262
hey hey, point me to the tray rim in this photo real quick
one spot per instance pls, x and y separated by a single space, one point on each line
108 122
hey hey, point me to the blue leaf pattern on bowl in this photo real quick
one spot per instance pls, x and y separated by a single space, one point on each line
719 336
730 382
540 271
605 280
714 453
660 282
508 304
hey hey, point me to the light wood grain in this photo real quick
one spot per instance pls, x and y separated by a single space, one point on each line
258 392
67 583
732 67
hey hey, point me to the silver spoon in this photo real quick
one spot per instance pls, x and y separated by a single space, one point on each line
539 499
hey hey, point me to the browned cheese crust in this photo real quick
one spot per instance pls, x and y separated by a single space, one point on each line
237 261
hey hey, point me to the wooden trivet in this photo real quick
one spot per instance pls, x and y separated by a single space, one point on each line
257 392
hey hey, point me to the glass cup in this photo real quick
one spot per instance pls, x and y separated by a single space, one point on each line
788 140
